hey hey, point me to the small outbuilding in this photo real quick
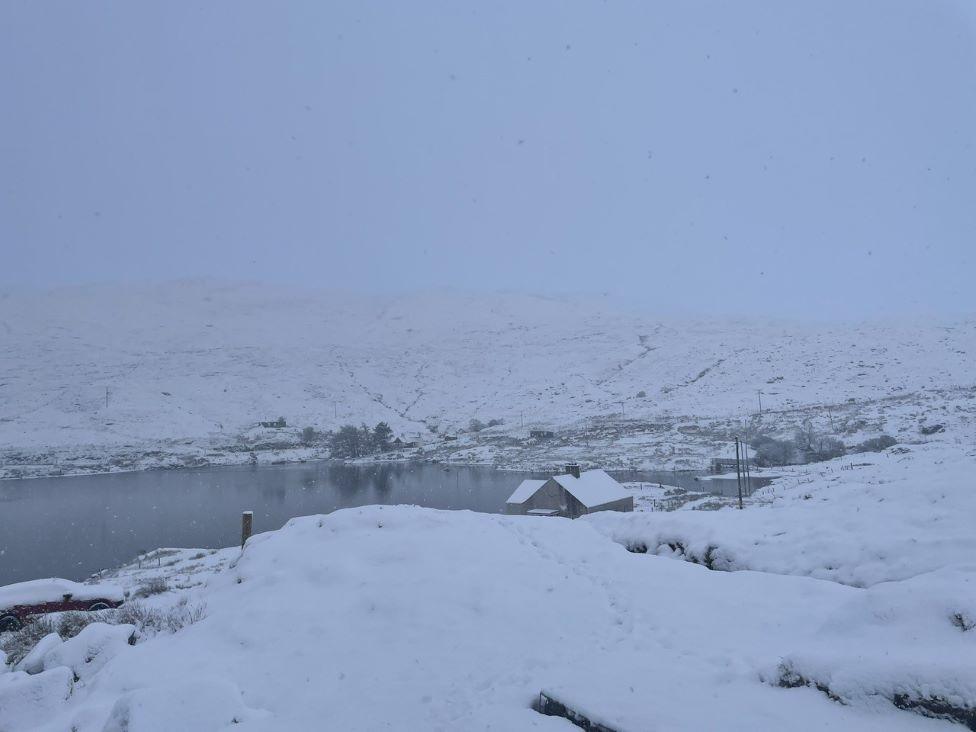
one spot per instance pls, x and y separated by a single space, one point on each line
725 465
571 495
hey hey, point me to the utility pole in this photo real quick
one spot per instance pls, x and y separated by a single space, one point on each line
759 392
621 410
745 459
522 420
738 471
335 410
106 397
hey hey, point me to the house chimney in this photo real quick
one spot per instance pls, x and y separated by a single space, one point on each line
573 469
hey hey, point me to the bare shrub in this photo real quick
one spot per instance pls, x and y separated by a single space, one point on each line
152 586
71 623
963 622
19 643
150 620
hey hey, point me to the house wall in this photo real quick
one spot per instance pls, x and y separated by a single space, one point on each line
574 509
551 495
623 504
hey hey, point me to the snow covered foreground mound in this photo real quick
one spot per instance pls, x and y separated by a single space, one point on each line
413 619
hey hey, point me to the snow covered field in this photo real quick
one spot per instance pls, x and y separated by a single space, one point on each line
118 378
842 597
848 603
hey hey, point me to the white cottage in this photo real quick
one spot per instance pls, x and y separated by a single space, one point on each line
571 495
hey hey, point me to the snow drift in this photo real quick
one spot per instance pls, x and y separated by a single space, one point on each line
408 618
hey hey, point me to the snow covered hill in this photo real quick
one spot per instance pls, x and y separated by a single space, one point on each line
110 377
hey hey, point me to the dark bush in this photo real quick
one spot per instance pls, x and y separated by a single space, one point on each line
876 444
381 437
827 448
348 442
770 452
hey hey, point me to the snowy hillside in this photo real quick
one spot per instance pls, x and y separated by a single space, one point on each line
107 377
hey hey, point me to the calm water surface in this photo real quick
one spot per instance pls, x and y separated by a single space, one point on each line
72 527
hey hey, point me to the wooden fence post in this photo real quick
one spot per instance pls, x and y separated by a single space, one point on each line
246 520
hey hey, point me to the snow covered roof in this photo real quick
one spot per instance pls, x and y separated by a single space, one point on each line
525 491
52 590
592 488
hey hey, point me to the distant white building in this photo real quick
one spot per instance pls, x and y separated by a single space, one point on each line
571 495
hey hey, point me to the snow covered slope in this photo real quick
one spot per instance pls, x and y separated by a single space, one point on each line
890 517
408 618
117 377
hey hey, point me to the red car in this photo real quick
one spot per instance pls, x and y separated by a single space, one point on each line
39 597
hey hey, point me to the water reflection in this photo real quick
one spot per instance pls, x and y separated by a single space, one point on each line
71 527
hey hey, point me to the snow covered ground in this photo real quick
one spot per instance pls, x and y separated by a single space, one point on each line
892 516
842 597
846 599
119 378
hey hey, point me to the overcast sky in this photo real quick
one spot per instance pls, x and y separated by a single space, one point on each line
725 157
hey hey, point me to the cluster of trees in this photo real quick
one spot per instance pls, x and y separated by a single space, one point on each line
769 451
809 446
815 447
351 441
803 448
